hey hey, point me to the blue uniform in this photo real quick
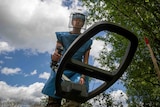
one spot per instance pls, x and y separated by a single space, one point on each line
66 38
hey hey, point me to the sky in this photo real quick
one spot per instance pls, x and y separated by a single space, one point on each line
27 39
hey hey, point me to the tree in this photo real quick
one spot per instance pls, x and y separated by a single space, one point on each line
143 18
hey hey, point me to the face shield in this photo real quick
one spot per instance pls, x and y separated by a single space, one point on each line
79 16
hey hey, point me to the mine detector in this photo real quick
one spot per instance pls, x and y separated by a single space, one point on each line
77 92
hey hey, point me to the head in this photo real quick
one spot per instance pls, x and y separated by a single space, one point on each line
77 19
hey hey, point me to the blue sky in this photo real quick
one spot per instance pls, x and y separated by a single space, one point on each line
27 39
25 69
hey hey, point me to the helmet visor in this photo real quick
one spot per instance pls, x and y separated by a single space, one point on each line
78 16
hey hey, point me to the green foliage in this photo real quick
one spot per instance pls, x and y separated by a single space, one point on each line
143 18
113 50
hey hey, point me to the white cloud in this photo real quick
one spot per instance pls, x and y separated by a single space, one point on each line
119 97
44 75
96 47
32 93
34 72
8 57
10 71
31 24
4 47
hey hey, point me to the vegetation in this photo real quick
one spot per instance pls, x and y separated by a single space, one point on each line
143 18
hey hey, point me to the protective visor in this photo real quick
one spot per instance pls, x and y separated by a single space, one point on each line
78 16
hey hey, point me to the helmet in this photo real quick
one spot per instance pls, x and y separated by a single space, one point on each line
78 13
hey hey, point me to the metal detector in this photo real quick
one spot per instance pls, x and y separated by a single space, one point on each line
77 92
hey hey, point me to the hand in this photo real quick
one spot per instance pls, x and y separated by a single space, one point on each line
56 56
82 80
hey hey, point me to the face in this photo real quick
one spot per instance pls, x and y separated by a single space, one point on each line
77 23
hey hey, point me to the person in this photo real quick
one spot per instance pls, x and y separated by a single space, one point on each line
64 39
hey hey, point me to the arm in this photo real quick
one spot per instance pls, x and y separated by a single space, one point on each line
85 60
